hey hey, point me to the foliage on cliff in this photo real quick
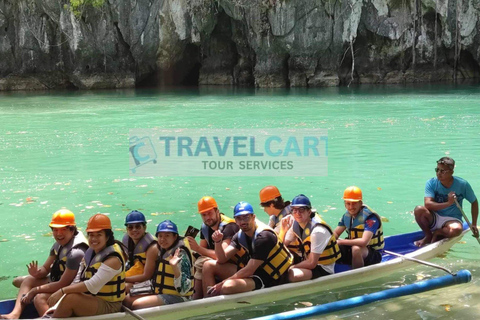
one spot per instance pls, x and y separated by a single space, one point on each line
78 6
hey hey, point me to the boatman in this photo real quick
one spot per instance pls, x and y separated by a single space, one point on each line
364 231
269 258
440 217
213 220
318 244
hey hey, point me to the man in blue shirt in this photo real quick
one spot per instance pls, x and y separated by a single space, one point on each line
439 217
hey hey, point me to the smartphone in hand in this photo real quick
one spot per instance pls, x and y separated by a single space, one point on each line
191 232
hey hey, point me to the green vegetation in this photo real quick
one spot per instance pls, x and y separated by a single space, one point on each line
78 6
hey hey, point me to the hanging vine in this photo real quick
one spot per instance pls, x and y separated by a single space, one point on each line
352 41
435 43
414 44
458 44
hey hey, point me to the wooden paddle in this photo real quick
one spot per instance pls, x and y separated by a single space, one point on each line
466 219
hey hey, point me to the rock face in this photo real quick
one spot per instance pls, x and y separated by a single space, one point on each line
46 44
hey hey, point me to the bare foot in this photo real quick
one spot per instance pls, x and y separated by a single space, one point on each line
9 316
437 236
423 242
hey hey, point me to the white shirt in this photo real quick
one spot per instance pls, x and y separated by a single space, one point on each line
99 279
319 238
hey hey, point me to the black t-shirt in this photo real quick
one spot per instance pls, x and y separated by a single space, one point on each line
264 243
228 232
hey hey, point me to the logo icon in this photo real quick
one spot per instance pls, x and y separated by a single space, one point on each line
141 152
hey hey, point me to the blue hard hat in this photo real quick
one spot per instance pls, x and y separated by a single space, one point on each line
135 217
167 226
301 201
242 208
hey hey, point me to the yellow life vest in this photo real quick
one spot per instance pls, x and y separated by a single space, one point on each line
279 259
293 246
113 290
60 264
356 227
163 279
275 220
330 254
138 251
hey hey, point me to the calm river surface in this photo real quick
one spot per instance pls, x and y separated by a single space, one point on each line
70 149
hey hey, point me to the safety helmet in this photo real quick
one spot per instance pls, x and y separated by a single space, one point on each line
206 203
167 226
352 193
98 222
301 201
269 193
62 218
242 208
135 217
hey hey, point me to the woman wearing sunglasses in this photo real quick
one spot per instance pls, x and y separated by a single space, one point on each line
141 251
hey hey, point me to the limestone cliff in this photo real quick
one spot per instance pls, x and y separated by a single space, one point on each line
47 44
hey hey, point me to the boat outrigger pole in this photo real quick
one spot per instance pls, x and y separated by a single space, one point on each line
463 276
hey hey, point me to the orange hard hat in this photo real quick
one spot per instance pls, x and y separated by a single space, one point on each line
62 218
352 193
269 193
206 203
98 222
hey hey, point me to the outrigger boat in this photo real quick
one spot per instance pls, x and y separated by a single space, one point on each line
400 252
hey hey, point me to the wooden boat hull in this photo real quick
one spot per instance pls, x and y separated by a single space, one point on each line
401 244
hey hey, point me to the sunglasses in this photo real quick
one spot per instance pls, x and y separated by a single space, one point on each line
299 209
441 171
243 217
134 226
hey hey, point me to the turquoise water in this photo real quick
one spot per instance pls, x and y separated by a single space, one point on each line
70 150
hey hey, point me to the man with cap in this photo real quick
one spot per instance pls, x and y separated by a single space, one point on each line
318 245
58 271
276 208
213 220
440 217
269 258
364 231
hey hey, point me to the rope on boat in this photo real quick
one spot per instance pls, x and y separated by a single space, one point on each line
420 261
